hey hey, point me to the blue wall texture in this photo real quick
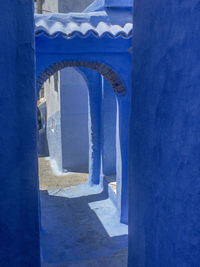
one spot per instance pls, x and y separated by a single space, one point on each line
94 83
164 173
74 120
54 136
109 120
19 222
67 120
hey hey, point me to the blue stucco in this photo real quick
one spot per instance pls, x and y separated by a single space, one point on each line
67 121
165 142
122 145
93 80
109 120
74 121
54 134
19 220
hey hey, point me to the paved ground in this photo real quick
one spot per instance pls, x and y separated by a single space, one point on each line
49 181
72 234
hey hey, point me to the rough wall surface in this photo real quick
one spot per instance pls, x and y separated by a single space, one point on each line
19 223
165 135
74 121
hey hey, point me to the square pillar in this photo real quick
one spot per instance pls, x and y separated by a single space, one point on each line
122 143
19 219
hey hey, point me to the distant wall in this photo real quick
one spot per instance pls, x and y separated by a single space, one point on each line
73 154
43 150
109 113
74 121
50 6
52 94
19 220
164 163
65 6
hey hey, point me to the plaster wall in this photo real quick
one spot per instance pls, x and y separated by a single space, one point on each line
74 121
19 220
94 84
164 198
109 112
52 94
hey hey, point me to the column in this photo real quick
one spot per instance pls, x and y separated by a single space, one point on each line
19 220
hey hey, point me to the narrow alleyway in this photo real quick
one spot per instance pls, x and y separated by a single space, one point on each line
80 225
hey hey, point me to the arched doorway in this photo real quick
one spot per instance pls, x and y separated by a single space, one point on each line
95 160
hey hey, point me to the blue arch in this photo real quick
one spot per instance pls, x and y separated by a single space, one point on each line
106 71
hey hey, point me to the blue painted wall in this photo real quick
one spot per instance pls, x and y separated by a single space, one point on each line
164 171
94 83
19 222
67 120
109 117
74 120
54 136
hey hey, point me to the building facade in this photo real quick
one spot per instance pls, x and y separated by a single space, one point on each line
67 107
101 51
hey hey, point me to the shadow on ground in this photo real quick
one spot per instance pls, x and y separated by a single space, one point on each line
72 234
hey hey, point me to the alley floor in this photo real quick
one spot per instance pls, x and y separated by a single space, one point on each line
80 228
48 180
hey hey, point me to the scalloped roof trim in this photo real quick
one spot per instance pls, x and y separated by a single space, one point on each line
81 24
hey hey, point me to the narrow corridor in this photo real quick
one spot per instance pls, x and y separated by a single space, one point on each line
80 225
